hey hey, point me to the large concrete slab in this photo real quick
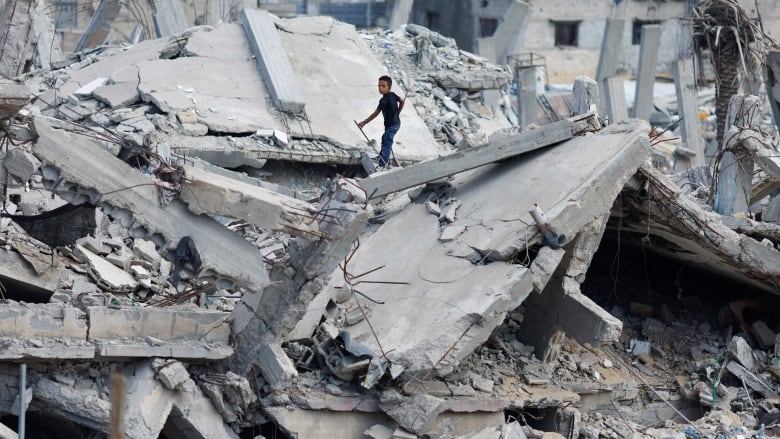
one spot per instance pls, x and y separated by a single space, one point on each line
339 71
341 76
454 302
81 166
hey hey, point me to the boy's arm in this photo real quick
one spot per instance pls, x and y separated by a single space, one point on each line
369 118
401 101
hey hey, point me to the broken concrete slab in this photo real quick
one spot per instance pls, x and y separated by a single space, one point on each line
479 295
84 406
41 285
755 382
169 18
106 274
386 183
205 192
99 28
704 236
21 164
137 207
415 413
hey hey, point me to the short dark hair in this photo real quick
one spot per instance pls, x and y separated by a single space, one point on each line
387 79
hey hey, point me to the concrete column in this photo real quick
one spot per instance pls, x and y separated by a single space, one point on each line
313 7
586 95
687 107
616 99
648 56
609 57
99 27
772 78
402 10
169 18
526 95
510 30
735 181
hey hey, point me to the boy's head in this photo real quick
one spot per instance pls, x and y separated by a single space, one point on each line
385 84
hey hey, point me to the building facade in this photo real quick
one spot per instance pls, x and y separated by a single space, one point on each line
568 33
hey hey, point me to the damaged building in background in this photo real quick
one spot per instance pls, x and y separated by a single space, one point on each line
197 244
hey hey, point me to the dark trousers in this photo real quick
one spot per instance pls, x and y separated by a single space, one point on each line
387 144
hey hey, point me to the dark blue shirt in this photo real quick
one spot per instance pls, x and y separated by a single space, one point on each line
389 106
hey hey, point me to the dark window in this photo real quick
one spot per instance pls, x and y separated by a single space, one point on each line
66 14
487 26
432 19
566 33
636 30
484 3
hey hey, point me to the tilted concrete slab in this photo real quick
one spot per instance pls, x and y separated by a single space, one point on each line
83 406
455 303
81 166
206 192
431 170
341 73
14 266
694 234
272 61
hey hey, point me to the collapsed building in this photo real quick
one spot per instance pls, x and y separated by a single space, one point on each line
203 255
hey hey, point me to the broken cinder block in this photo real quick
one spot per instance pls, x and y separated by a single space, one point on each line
277 368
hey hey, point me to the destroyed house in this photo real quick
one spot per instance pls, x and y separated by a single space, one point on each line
198 243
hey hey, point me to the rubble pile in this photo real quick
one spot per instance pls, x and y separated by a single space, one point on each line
176 262
446 84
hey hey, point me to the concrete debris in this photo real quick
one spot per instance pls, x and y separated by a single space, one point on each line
277 369
172 238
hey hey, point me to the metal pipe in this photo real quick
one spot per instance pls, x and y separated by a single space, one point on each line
22 399
551 238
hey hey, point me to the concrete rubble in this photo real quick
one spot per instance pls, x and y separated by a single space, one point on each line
192 255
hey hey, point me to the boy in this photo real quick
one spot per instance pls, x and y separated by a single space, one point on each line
390 105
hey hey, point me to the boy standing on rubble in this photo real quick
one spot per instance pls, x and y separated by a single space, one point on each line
390 105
